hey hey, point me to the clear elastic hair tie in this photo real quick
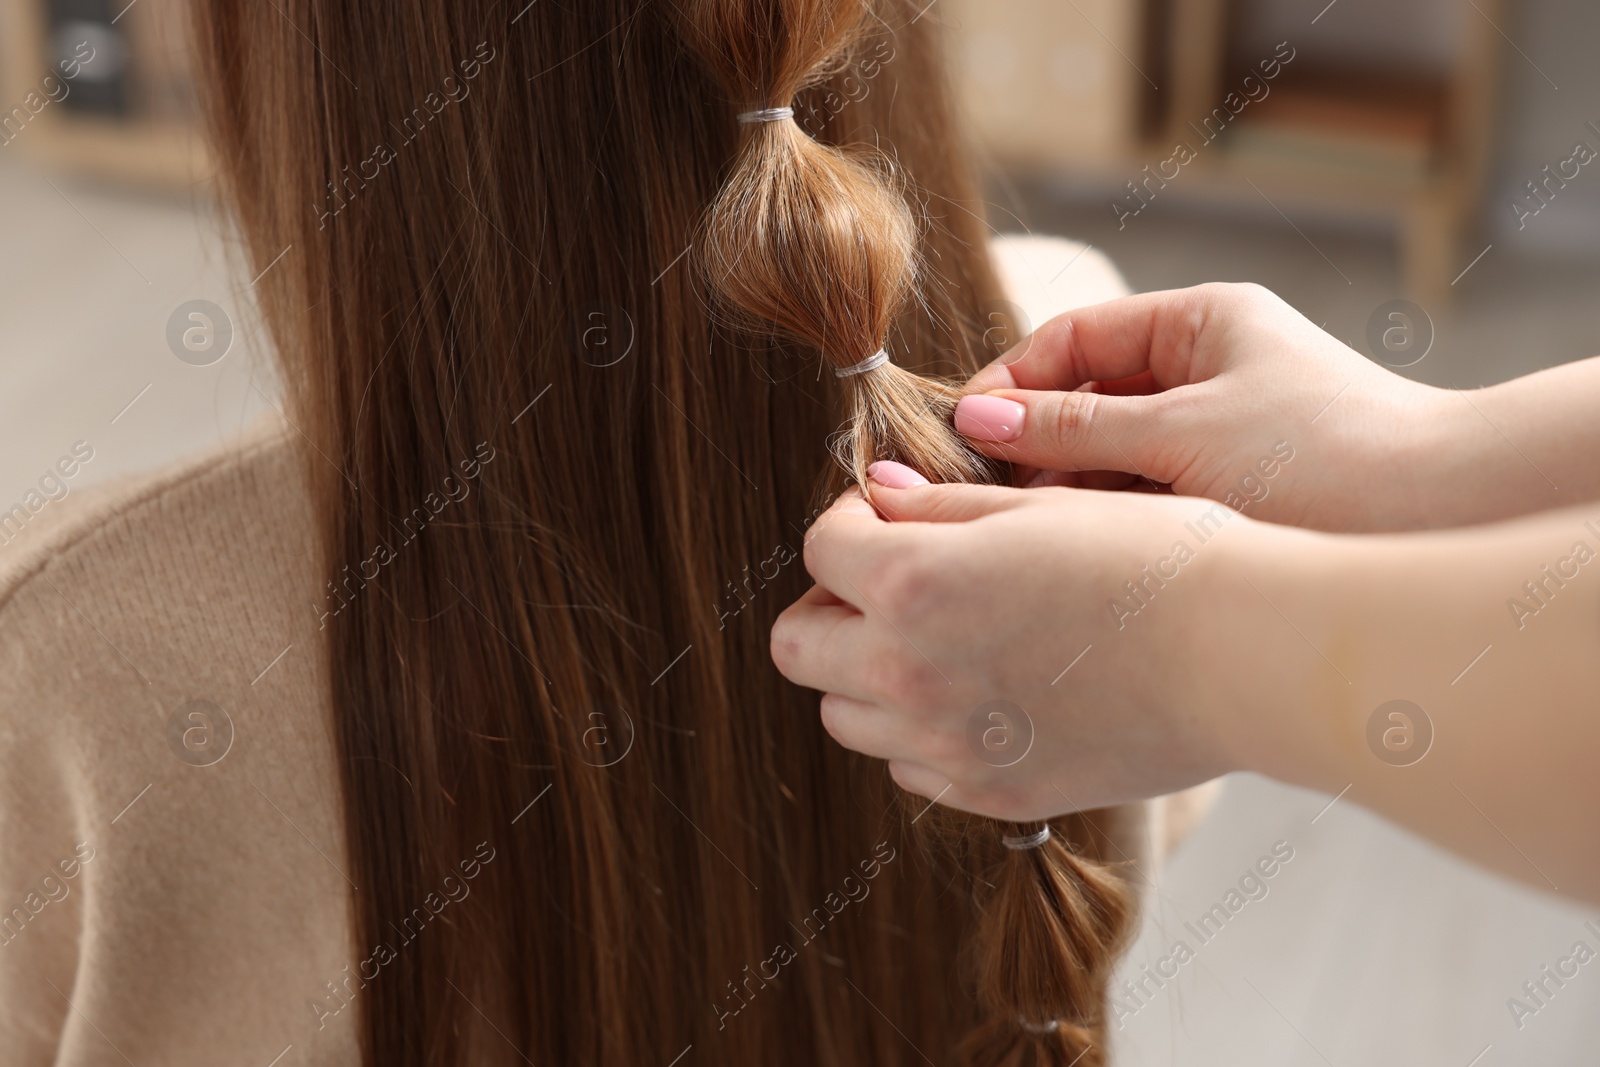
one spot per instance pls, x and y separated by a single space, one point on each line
1039 1028
767 114
1027 841
872 362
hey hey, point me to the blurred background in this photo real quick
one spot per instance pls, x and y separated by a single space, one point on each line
1420 177
1347 154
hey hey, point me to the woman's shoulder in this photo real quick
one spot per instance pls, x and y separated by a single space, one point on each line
97 526
154 582
165 751
1045 276
145 593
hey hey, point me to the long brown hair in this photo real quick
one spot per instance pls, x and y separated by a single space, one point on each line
550 320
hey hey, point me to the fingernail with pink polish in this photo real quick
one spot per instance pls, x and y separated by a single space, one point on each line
990 418
892 475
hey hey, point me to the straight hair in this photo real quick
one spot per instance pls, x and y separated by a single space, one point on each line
530 249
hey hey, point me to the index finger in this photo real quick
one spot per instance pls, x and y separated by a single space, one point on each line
1151 333
847 543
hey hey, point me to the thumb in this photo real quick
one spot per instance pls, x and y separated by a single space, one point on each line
1070 431
902 495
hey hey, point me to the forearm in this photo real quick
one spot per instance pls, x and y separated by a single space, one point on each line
1330 629
1519 447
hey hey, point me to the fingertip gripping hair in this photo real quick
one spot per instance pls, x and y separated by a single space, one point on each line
818 241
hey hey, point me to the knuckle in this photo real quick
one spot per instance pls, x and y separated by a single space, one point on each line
905 682
809 551
947 750
1071 419
833 711
899 588
1054 335
1251 295
784 644
1223 292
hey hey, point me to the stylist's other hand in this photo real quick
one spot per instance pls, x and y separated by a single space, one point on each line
979 594
1234 396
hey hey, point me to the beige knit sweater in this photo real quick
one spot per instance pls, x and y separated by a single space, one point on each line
173 880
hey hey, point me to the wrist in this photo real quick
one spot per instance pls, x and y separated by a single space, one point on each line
1262 681
1451 466
1507 450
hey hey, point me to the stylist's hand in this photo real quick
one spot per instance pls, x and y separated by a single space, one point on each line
1246 402
975 594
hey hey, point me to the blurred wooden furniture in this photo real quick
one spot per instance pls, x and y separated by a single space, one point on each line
126 114
1069 88
1045 80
